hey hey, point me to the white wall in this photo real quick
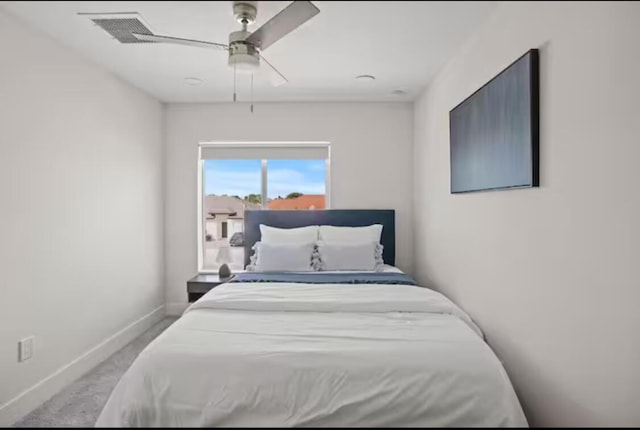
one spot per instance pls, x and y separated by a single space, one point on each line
81 218
551 274
371 149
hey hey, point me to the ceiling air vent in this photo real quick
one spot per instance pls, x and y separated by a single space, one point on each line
120 25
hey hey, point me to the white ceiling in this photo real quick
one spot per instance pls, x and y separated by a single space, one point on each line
402 43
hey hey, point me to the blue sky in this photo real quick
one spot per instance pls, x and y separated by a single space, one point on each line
242 177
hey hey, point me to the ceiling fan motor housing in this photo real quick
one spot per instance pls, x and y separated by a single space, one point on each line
244 56
245 11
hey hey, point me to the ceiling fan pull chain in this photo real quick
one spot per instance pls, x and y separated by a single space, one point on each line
252 93
234 81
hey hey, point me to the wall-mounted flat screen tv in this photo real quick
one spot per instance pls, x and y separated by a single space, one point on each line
494 132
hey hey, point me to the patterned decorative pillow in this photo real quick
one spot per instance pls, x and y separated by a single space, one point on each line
289 257
349 256
379 259
251 267
316 261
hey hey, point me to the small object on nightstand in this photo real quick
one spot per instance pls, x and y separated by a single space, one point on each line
200 285
224 257
224 271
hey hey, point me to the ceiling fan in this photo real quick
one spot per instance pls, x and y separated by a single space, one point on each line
245 47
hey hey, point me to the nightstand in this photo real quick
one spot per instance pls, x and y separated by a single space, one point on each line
199 285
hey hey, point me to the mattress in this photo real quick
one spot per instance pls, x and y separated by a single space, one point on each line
292 354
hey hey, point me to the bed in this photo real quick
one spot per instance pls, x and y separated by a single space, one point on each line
347 348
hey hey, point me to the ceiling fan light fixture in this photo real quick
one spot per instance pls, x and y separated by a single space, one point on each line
244 62
243 56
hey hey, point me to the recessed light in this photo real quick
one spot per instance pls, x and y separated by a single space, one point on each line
366 78
399 93
193 81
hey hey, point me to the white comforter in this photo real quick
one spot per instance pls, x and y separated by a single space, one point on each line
317 355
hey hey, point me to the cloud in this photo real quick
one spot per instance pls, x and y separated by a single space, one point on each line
317 166
280 182
276 189
232 183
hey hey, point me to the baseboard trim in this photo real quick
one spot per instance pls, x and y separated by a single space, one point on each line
28 400
176 309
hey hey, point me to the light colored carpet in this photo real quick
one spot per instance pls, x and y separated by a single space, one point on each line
79 404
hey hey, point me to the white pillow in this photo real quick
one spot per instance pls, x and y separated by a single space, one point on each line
290 257
350 256
270 234
335 234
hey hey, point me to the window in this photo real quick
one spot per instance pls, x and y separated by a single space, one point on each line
296 184
253 176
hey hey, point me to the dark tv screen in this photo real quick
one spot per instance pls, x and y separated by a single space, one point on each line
494 132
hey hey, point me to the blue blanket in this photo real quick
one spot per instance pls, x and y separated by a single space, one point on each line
326 278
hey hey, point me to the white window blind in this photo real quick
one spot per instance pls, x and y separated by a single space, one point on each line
258 151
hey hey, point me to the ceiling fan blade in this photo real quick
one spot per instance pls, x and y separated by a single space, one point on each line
277 78
287 20
176 40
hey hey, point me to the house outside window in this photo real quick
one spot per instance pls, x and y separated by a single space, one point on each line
236 177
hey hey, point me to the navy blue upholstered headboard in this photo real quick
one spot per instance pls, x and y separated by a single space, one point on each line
337 217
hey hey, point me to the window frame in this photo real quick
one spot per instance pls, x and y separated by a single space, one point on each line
200 178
